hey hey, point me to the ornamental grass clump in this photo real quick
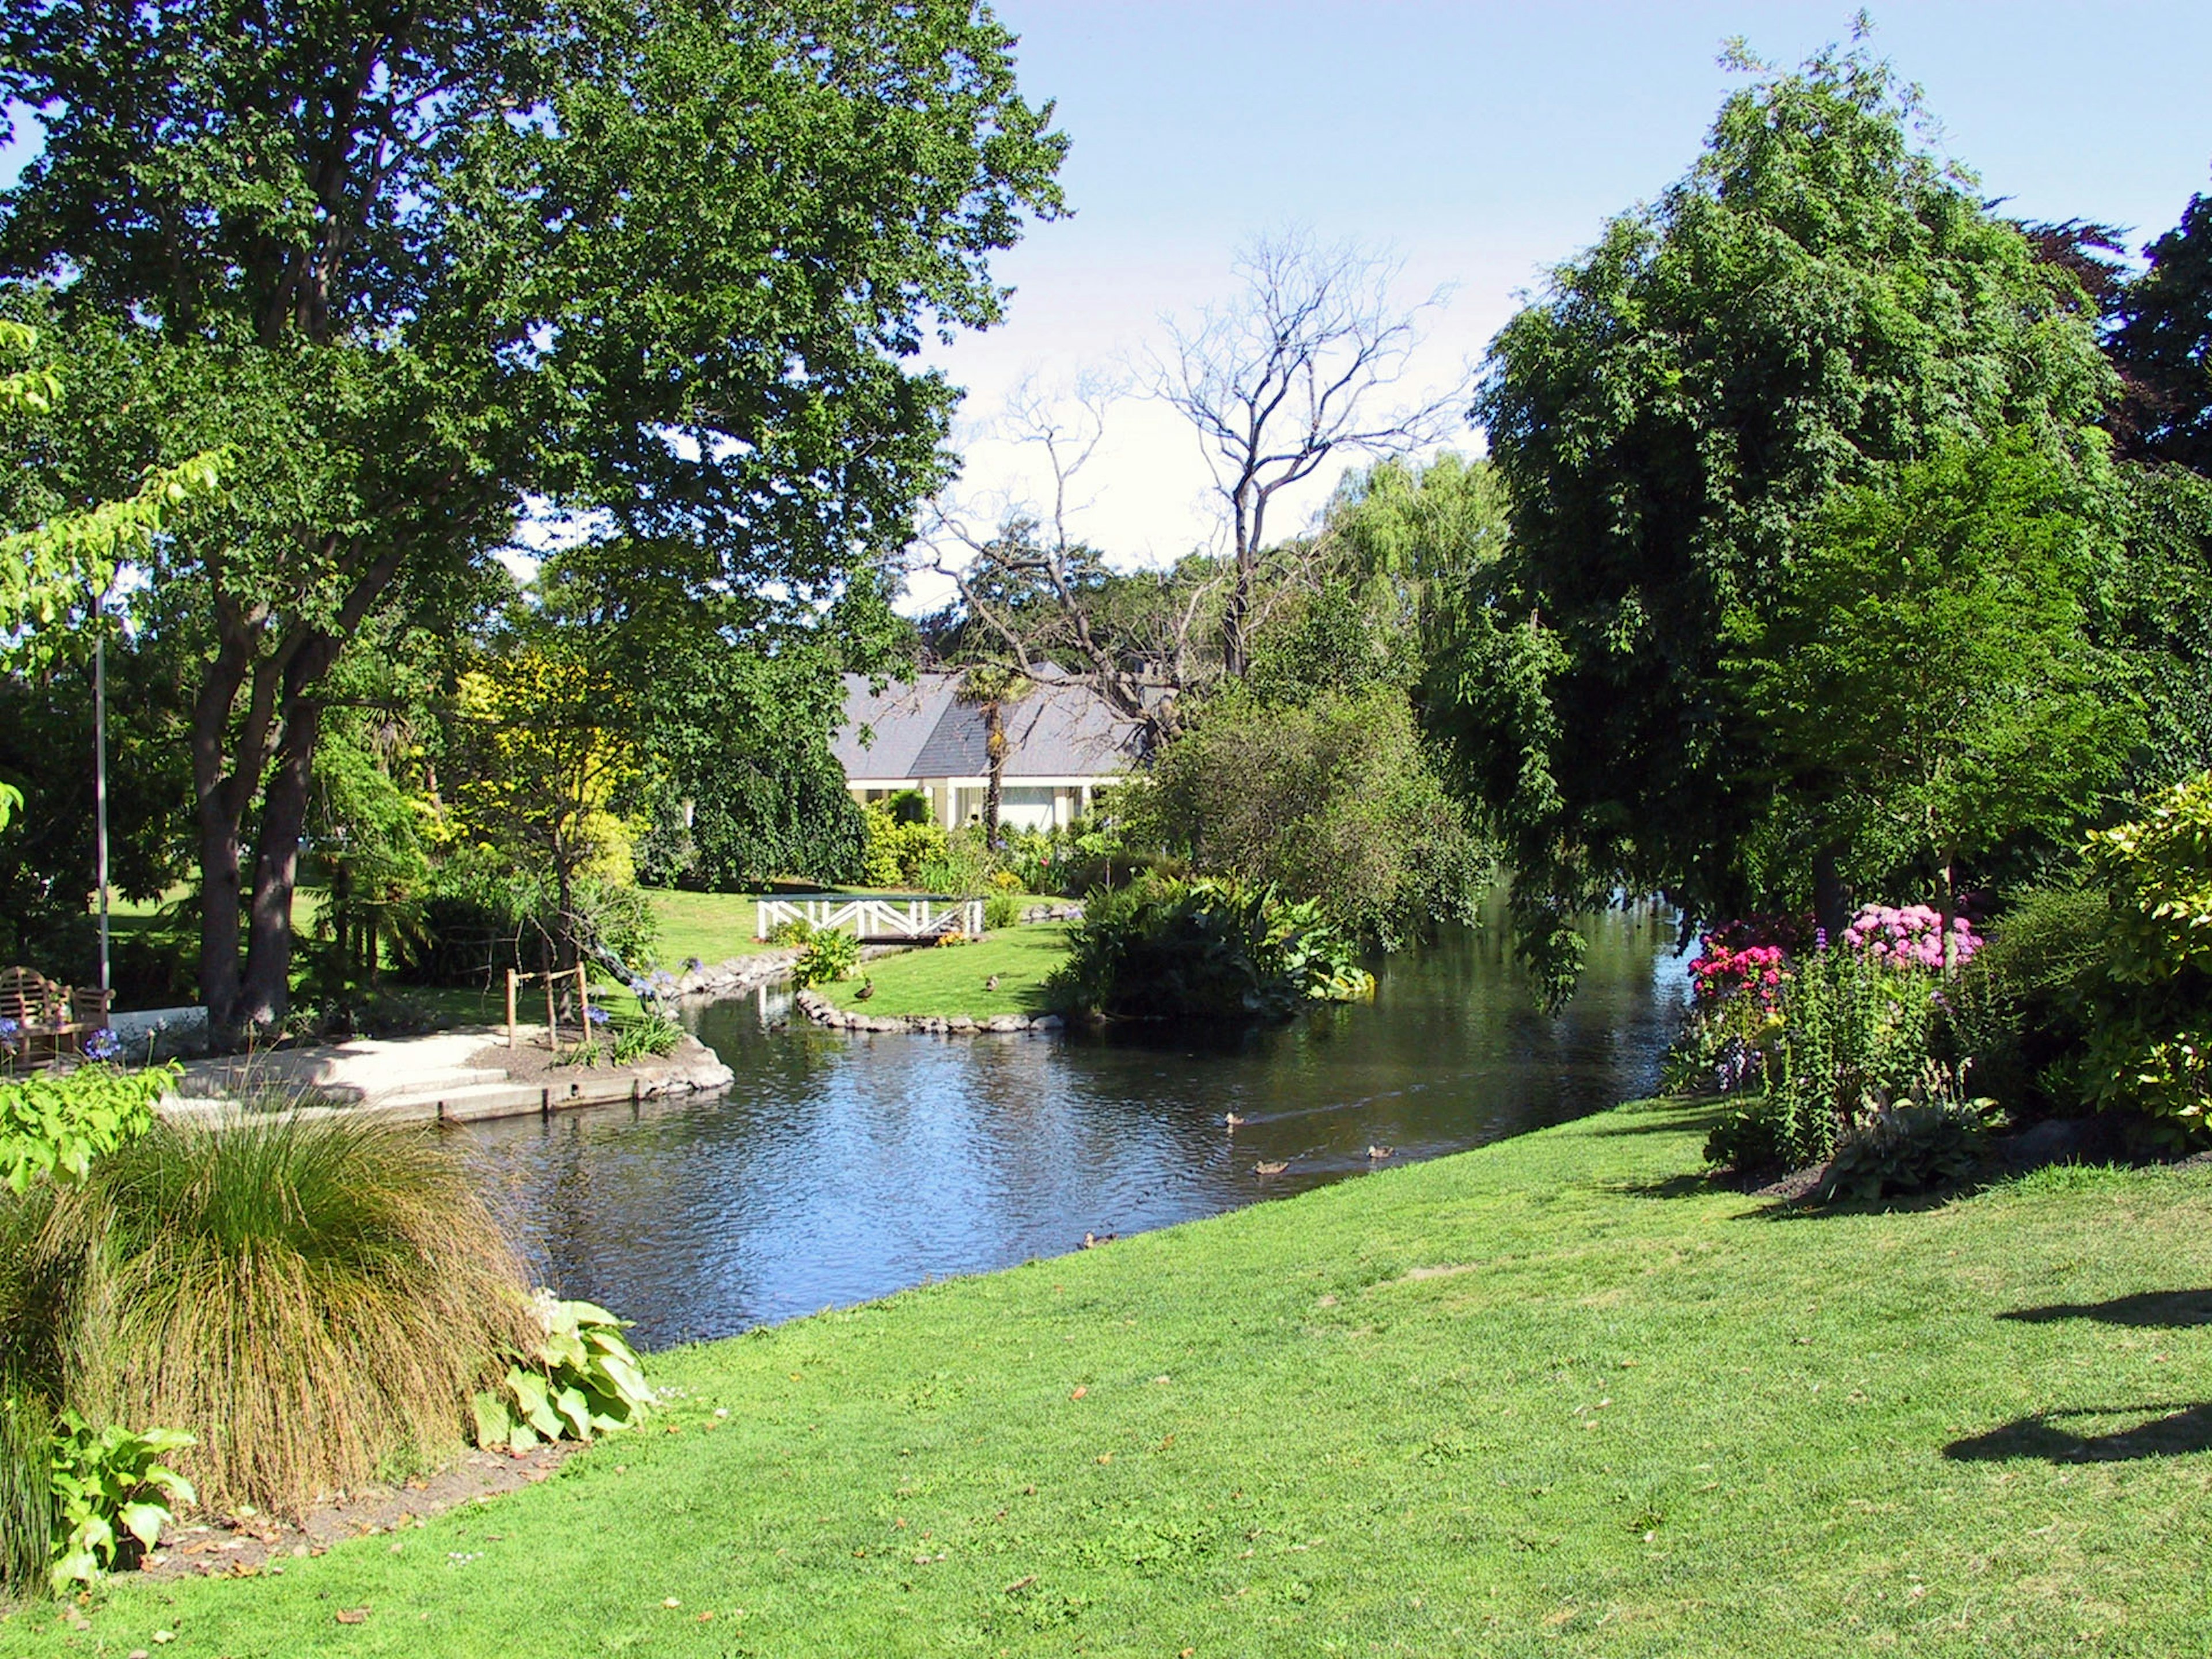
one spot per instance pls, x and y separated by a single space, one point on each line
314 1298
27 1501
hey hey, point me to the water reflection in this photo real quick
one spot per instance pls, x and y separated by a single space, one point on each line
841 1166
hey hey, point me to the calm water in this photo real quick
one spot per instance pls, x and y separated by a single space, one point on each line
841 1167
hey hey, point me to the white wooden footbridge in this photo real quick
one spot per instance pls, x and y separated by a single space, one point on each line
876 920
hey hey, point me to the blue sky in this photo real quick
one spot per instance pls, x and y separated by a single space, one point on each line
1482 142
1485 143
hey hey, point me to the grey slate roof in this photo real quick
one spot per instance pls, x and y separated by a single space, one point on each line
1055 729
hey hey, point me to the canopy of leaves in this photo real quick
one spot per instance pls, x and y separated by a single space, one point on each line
1815 301
2163 343
1926 675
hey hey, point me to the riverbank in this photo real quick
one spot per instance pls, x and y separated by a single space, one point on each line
1556 1395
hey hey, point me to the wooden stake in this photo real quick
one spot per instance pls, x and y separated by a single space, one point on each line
552 1015
583 1001
510 1007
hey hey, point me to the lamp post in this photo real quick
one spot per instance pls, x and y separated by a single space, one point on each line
100 784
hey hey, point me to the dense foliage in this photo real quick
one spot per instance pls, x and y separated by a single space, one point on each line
577 1379
660 274
53 1125
1204 948
313 1300
1332 798
2149 1048
1814 303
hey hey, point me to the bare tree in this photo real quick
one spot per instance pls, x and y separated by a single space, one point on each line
1287 375
1039 602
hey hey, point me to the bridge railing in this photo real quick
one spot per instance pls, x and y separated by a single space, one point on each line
876 919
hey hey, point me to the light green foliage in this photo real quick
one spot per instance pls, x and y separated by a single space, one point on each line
1928 660
1003 910
900 851
49 571
830 954
54 1125
793 930
1454 1396
107 1483
1204 949
1816 301
1332 799
2151 1022
578 1380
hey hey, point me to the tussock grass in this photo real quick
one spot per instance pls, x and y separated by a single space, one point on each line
26 1504
314 1297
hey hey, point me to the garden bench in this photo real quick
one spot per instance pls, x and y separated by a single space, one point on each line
38 1017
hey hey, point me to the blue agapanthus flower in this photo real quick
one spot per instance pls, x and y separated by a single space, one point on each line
9 1030
638 987
102 1044
599 1016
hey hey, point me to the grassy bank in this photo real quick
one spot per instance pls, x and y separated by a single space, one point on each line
953 979
1551 1396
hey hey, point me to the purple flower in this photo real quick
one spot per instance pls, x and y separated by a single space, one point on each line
599 1016
102 1044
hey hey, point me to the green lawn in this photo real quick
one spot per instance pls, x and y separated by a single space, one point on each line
949 979
1555 1397
711 926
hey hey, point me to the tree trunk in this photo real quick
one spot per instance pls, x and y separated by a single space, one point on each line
1236 615
218 810
265 991
1947 889
994 753
1832 899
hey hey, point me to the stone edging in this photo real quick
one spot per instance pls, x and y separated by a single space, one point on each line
822 1012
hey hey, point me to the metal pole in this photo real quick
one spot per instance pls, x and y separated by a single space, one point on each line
100 787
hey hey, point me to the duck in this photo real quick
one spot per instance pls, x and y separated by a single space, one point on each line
1231 1121
992 983
1092 1241
1378 1153
1264 1168
867 989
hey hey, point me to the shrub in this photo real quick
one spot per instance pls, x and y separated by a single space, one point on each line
1934 1137
1849 1025
578 1378
830 954
2018 1010
1002 910
1206 948
54 1126
649 1034
2149 1045
27 1495
480 917
1335 799
110 1485
793 930
899 849
314 1298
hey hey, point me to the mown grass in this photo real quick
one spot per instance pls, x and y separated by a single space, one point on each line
1553 1397
952 979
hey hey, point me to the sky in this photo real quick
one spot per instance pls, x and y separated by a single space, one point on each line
1479 144
1482 143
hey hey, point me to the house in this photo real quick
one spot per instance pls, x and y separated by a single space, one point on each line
1063 742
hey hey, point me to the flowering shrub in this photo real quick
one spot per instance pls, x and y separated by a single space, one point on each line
1910 936
1719 972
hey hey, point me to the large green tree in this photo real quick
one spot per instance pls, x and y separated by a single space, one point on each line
660 269
1929 667
1816 301
2162 341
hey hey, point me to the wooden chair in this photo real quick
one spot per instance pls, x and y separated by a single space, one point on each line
88 1013
26 998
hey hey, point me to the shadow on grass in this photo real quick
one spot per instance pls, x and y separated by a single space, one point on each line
1673 1118
1704 1184
2183 1429
2171 1309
